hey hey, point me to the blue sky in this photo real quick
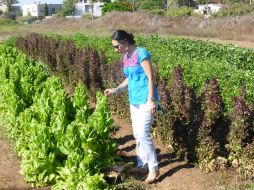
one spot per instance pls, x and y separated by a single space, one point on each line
23 2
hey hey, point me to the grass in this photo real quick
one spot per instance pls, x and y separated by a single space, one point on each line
9 28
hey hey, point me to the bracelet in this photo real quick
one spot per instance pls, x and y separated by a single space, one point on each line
117 90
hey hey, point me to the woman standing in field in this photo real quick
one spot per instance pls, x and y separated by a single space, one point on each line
143 98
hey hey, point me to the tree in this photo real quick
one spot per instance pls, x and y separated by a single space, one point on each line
152 4
69 7
132 2
46 10
8 3
135 3
92 5
117 6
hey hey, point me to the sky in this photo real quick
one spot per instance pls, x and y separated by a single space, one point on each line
24 2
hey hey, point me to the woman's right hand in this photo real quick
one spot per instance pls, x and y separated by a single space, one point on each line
109 91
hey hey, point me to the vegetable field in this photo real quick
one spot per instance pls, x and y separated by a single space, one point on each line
200 61
206 98
61 141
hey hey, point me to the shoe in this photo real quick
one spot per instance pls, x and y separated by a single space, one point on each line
152 177
138 170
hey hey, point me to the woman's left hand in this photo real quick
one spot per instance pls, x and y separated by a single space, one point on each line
151 106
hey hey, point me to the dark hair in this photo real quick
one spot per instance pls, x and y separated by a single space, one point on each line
121 35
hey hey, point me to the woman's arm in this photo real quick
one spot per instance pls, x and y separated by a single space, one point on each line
147 66
118 89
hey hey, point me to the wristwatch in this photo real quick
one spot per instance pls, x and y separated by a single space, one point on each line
152 99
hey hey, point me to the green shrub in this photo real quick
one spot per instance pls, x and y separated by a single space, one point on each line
196 14
60 14
116 6
179 12
10 15
234 10
152 5
87 16
7 21
11 42
158 11
27 19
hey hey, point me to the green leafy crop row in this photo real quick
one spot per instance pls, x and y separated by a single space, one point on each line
61 141
194 124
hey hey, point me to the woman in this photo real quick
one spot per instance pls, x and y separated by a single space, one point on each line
143 98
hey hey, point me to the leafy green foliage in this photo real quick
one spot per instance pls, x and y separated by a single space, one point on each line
152 4
116 6
46 10
60 140
68 7
7 21
234 10
196 115
200 61
179 12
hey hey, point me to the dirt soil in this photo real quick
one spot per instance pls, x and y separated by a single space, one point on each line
175 174
237 43
10 177
242 44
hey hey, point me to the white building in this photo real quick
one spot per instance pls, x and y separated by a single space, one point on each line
38 10
85 7
208 9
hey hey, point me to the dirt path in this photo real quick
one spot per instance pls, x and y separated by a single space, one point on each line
9 165
10 177
175 174
243 44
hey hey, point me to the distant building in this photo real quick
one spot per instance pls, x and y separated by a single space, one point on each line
38 10
209 9
85 7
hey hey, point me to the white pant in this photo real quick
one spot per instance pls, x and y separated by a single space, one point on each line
141 124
